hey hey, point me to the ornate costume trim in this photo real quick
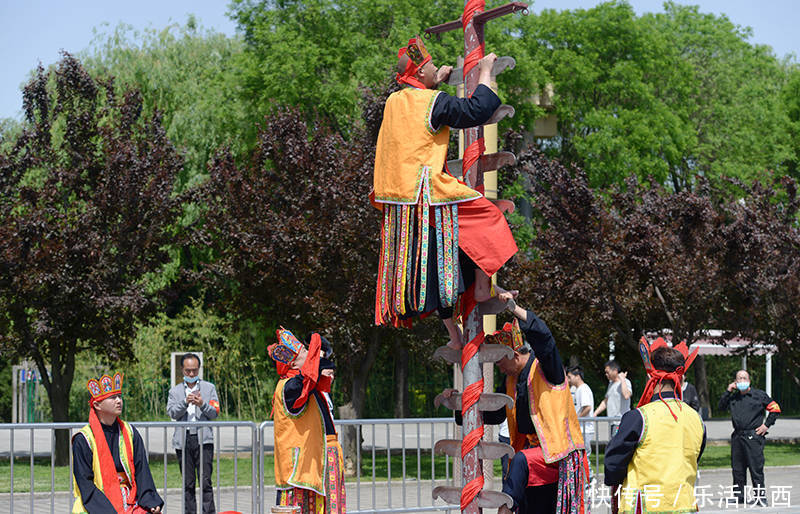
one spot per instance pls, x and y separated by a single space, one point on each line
429 113
403 265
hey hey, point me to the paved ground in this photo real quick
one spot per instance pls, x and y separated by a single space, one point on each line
783 493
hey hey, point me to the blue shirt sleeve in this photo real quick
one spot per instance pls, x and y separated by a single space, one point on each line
465 112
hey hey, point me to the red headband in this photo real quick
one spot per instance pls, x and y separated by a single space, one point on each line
657 376
418 56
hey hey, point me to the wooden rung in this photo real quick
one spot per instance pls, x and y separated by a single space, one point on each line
486 450
486 402
502 112
502 64
487 162
486 353
481 17
485 499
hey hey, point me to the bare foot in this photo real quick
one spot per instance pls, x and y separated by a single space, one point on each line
454 332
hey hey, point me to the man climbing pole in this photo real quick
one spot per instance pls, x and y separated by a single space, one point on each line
438 236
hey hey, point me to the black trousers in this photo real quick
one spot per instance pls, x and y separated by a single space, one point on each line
193 472
541 499
747 452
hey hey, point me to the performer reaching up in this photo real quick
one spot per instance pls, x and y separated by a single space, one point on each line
549 472
309 466
438 236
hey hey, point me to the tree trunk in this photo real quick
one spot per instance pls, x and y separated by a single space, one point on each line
350 436
58 383
701 383
401 400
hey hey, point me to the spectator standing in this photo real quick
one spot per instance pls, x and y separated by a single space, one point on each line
583 399
194 400
748 406
618 395
690 395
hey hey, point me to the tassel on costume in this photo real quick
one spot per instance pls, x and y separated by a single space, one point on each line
399 285
571 483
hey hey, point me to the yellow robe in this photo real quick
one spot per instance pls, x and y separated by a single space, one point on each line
300 445
77 506
663 469
410 153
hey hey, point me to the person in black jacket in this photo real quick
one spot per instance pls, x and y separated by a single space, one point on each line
690 395
748 406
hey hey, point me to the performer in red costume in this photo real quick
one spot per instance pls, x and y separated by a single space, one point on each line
431 219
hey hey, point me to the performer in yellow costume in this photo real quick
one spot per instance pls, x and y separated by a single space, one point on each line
439 236
309 466
549 472
652 459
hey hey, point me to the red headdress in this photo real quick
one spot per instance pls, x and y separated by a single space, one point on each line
510 336
657 376
418 55
285 352
102 388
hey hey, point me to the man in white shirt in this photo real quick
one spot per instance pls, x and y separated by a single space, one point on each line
583 398
618 394
194 400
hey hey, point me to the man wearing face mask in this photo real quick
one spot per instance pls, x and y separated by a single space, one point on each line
747 406
194 400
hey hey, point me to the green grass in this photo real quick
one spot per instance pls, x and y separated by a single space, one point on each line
713 457
774 455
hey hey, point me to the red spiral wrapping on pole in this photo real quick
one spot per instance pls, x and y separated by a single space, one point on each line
473 152
472 391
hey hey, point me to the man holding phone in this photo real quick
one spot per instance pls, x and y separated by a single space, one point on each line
194 400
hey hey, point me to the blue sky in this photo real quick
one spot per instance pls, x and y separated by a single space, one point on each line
36 30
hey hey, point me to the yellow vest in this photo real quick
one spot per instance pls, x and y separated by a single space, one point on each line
410 154
663 469
300 445
558 431
77 506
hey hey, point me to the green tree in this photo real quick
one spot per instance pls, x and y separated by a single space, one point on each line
86 211
316 54
791 101
233 358
667 96
189 75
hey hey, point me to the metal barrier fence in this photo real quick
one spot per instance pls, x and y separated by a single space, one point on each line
400 446
156 436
